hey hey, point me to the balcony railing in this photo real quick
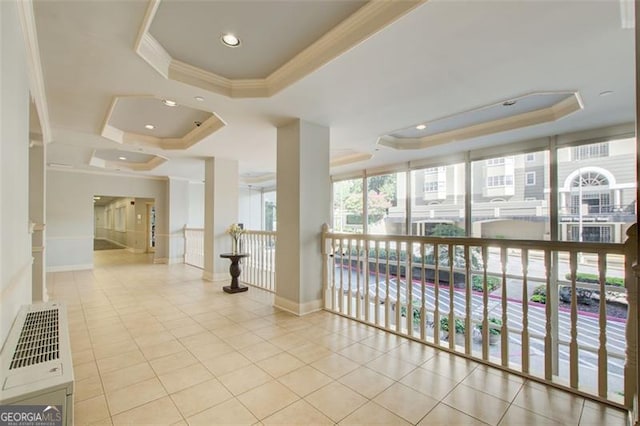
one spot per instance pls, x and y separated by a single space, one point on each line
194 247
474 297
258 269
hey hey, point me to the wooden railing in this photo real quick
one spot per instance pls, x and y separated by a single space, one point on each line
194 247
562 313
258 270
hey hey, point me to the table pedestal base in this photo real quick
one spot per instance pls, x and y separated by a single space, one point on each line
232 289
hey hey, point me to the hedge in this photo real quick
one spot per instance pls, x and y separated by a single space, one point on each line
595 279
492 283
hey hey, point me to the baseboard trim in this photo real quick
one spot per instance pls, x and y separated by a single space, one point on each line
208 276
161 260
66 268
135 250
296 308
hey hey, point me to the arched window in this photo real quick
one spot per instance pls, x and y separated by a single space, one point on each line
589 179
590 193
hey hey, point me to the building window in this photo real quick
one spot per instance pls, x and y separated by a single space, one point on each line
432 186
530 178
500 180
530 157
495 161
595 150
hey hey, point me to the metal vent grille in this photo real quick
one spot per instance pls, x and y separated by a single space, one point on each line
39 340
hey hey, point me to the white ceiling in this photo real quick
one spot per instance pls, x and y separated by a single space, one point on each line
442 58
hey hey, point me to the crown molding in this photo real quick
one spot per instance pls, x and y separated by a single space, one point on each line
209 126
108 174
362 24
34 66
563 108
350 159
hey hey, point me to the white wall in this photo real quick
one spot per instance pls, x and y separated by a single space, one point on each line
250 208
196 205
15 239
70 214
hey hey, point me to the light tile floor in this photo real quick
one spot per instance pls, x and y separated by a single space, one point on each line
155 344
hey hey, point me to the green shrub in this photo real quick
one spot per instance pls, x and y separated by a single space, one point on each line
459 325
539 294
595 279
416 311
493 331
492 283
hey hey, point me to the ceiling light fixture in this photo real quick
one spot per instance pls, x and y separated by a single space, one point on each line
230 40
149 126
122 158
509 103
199 98
421 126
169 102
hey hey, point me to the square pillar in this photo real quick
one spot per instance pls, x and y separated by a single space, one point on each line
303 206
220 211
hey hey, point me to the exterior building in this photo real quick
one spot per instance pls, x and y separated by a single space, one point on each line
510 195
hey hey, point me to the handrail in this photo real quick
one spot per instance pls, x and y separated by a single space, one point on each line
415 285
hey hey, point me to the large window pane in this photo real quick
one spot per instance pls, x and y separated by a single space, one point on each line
347 206
269 210
596 191
437 201
386 205
510 197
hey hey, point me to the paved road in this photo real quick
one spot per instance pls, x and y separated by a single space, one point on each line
587 326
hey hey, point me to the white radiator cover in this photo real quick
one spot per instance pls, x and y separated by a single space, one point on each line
36 360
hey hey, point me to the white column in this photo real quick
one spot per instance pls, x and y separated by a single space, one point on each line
178 203
220 211
303 206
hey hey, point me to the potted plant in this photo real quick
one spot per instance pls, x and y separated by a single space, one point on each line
458 329
495 328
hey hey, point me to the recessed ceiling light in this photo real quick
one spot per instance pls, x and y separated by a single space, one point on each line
149 126
199 98
421 126
122 158
509 103
230 40
606 93
169 102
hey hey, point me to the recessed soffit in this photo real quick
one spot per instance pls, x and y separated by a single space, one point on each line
117 160
348 156
177 127
321 32
508 114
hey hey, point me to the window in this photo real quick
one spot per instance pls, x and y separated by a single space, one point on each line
433 186
495 161
499 180
269 200
347 206
594 150
530 178
386 205
530 157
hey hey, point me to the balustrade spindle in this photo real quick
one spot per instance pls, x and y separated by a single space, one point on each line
485 305
524 259
436 294
423 295
504 333
573 345
602 350
452 285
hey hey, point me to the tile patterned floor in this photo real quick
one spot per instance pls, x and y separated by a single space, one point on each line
157 345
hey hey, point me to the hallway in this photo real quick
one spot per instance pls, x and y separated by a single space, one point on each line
155 344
